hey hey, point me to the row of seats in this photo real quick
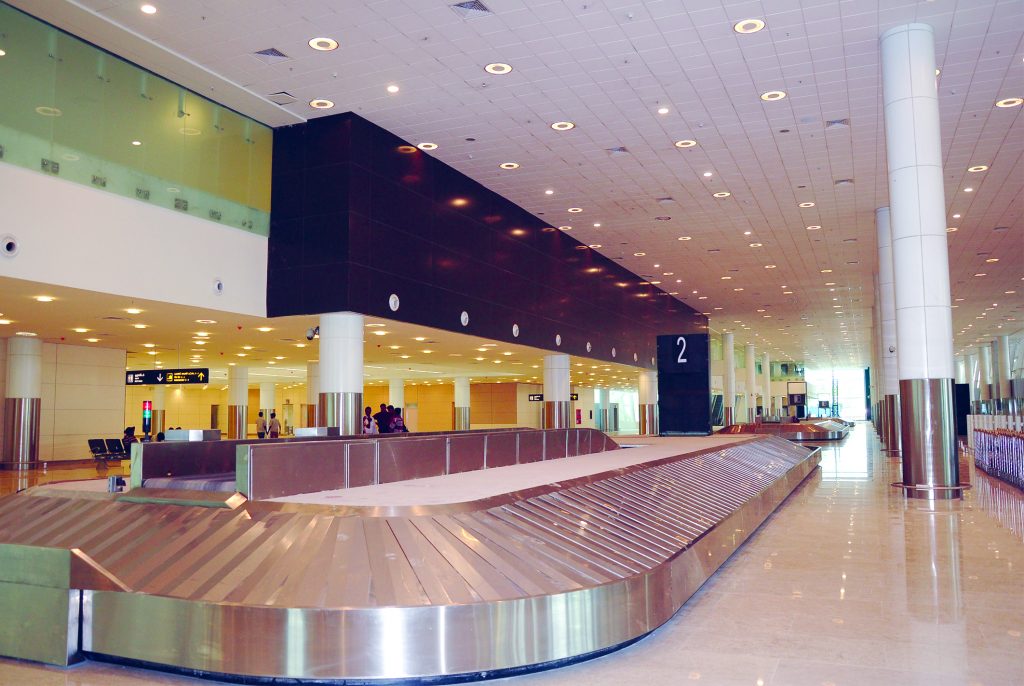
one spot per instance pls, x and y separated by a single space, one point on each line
109 448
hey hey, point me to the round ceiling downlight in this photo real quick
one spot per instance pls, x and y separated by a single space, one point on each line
498 68
771 96
563 125
685 143
321 104
509 165
748 26
323 44
427 146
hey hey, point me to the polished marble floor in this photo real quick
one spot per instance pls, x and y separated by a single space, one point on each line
846 584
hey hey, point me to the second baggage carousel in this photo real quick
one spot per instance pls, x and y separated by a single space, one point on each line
448 578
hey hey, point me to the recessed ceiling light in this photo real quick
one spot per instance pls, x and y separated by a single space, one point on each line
393 89
951 229
323 44
563 125
722 194
575 209
685 238
47 111
639 254
141 326
594 245
149 345
806 204
321 104
1009 102
549 192
92 340
148 9
737 289
978 168
509 165
2 53
756 245
80 330
992 259
498 68
685 143
826 271
770 96
830 283
968 190
956 216
708 174
662 110
769 266
726 278
45 298
565 228
748 26
205 321
427 146
136 143
133 310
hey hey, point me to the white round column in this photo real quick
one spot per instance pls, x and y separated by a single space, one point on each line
396 392
462 403
973 378
961 369
341 371
750 360
238 402
985 376
602 397
647 392
268 391
1006 403
890 389
729 380
312 393
22 400
766 384
924 321
556 392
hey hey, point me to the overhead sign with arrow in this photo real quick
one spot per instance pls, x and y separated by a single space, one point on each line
158 377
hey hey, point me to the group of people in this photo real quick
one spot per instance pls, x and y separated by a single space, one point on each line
388 421
268 430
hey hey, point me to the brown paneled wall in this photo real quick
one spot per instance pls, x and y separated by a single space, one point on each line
492 403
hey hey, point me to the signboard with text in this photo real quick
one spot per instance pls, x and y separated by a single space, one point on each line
157 377
536 397
684 384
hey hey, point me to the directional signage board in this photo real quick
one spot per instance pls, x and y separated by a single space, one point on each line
157 377
574 397
536 397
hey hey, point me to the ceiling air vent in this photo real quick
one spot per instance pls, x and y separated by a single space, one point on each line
617 152
843 182
282 98
471 10
837 124
270 56
666 201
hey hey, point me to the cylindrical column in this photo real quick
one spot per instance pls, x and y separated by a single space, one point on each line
396 392
766 385
602 402
961 369
556 392
876 360
890 392
462 395
159 420
924 321
985 376
972 380
750 360
729 380
267 393
647 392
22 402
341 371
238 402
312 393
1006 401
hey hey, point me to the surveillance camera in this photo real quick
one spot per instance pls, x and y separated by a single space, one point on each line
310 334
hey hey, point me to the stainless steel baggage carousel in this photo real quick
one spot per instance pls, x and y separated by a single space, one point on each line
218 585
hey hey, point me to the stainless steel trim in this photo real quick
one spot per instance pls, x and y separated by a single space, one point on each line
343 409
462 419
158 423
21 433
893 434
648 419
238 421
556 414
931 467
728 415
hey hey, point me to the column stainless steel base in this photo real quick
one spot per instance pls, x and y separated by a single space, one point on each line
343 410
556 414
462 419
21 433
649 419
892 438
263 590
159 422
931 466
238 421
728 416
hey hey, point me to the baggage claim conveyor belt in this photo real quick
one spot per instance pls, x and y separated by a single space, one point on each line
256 591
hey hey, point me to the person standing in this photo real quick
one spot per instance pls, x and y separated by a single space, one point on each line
274 428
261 426
369 425
398 424
383 419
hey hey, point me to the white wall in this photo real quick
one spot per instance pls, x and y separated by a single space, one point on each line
529 414
71 235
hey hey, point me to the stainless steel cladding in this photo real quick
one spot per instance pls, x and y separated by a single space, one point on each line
299 591
343 410
21 432
556 414
931 467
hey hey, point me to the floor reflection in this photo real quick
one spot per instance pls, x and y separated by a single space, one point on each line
999 500
848 459
14 480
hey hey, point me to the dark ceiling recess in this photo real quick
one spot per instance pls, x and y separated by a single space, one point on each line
471 10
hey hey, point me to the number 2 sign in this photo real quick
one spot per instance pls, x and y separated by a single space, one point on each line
681 342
